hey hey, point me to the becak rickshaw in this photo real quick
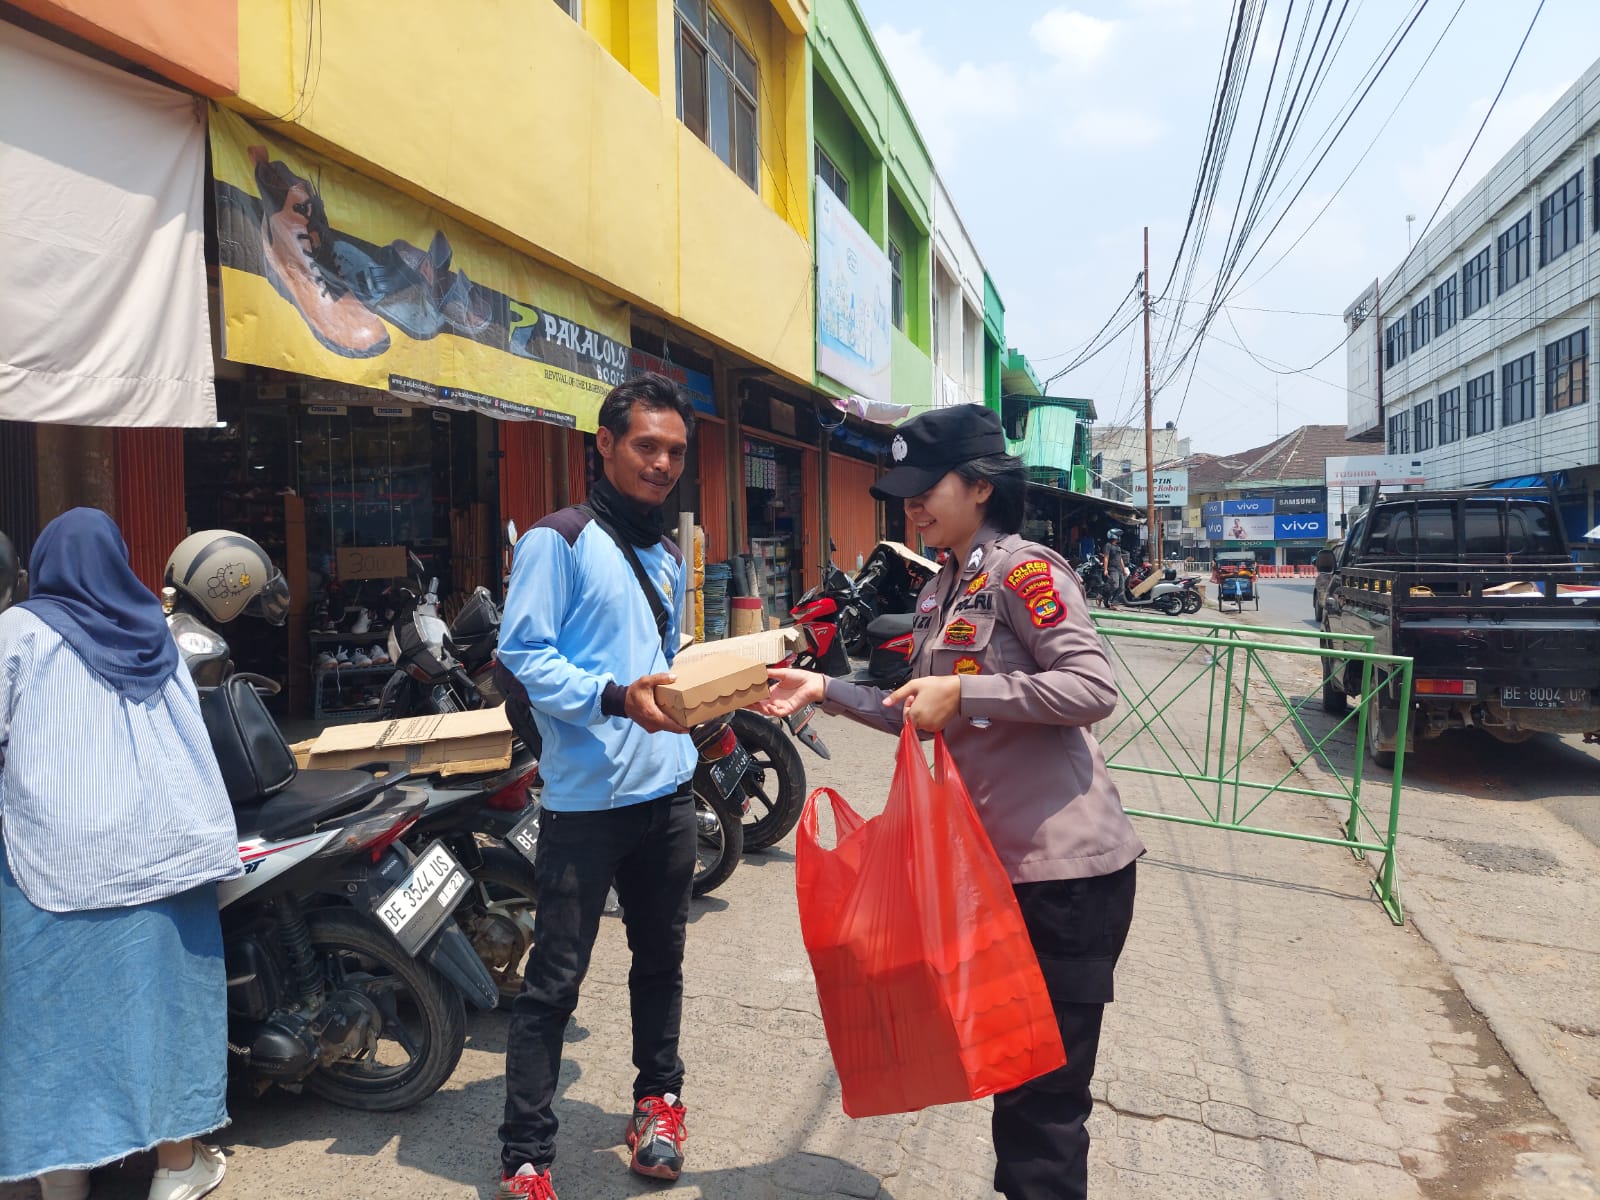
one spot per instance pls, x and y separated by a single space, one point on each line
1234 573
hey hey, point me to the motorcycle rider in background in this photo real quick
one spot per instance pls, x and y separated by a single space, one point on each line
1115 561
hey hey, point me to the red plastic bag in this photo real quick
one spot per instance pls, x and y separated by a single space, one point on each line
930 989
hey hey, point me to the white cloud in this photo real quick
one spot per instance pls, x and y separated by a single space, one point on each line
946 101
1112 129
1072 38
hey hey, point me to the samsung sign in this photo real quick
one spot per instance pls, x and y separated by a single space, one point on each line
1296 500
1297 527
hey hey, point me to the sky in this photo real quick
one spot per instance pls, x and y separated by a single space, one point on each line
1061 131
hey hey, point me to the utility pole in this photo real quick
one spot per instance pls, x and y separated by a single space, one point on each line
1156 549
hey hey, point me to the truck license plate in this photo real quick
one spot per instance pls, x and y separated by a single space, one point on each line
1529 696
418 905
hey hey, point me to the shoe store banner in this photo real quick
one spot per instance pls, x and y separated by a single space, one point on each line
102 244
328 273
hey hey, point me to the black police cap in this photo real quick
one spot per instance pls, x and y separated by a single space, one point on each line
930 445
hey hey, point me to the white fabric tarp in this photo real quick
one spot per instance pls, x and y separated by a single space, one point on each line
102 268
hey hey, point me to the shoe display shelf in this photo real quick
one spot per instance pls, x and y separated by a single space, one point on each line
342 691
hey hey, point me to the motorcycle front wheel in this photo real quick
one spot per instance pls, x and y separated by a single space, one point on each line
424 1019
719 835
775 782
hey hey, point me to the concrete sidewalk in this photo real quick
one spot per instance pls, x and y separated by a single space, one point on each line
1274 1036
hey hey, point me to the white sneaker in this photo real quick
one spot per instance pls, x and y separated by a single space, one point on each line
326 660
379 656
363 623
64 1185
203 1175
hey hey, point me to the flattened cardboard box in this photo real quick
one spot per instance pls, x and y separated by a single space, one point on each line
711 687
449 744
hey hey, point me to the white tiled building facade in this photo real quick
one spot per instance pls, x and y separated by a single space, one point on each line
1483 338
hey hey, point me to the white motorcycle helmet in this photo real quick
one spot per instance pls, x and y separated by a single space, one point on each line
224 574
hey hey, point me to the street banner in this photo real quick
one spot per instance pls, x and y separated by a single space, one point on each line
328 273
1247 508
696 385
852 300
1172 488
102 245
1210 509
1293 527
1240 529
1368 470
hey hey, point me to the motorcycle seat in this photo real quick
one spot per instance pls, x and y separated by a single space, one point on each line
312 798
890 625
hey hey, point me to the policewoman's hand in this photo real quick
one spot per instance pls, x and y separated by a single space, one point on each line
791 691
932 701
641 708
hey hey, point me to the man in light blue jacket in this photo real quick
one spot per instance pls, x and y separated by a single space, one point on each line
588 643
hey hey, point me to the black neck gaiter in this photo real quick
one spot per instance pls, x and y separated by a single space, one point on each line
641 526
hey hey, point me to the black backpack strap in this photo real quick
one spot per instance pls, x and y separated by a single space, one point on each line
652 594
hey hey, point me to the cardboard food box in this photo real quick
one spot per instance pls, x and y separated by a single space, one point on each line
712 686
450 744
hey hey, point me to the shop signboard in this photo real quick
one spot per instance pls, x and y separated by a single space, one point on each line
1172 488
1285 500
1299 527
1369 470
1210 509
697 384
1239 528
852 300
1257 507
327 273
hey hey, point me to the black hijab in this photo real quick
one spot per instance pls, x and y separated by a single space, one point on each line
84 589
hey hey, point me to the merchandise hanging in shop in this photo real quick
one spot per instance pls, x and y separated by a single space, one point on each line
327 273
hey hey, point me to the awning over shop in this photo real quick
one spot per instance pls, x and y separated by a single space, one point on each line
1114 509
328 273
102 267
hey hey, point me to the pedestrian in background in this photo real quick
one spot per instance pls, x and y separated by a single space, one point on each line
115 828
1007 664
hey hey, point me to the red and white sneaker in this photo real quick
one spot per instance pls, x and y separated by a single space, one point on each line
526 1184
656 1136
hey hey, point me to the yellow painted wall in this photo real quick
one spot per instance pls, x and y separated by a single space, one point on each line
564 142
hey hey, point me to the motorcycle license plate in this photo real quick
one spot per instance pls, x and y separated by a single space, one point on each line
727 773
524 835
419 904
1530 696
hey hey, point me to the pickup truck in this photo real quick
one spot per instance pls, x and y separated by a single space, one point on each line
1479 589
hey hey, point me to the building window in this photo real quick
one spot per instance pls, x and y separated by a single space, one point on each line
1566 372
1513 267
1475 283
1400 433
1394 342
1422 427
897 286
717 88
1444 305
1561 220
1421 326
828 171
1596 190
1480 404
1450 416
1516 390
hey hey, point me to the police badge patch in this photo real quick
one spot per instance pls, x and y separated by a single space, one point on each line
960 633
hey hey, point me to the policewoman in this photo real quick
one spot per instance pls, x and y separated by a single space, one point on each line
1008 666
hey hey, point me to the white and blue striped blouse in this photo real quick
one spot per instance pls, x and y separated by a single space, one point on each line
104 802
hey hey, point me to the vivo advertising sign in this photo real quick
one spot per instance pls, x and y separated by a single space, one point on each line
1210 509
1295 527
1239 529
1258 507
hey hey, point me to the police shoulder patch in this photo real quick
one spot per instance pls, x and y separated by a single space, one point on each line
1023 574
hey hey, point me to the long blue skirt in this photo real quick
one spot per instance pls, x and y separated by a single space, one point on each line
113 1029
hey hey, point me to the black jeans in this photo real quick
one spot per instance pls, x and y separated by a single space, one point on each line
649 851
1078 927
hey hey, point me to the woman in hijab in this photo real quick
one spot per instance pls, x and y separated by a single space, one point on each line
115 828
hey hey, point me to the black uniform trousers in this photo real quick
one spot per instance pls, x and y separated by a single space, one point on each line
1078 928
649 850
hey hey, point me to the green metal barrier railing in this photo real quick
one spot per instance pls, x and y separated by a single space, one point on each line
1226 661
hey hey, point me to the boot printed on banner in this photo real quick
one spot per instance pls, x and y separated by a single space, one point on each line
297 254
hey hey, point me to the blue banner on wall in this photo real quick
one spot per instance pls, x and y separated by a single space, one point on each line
1295 527
1260 507
1210 509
